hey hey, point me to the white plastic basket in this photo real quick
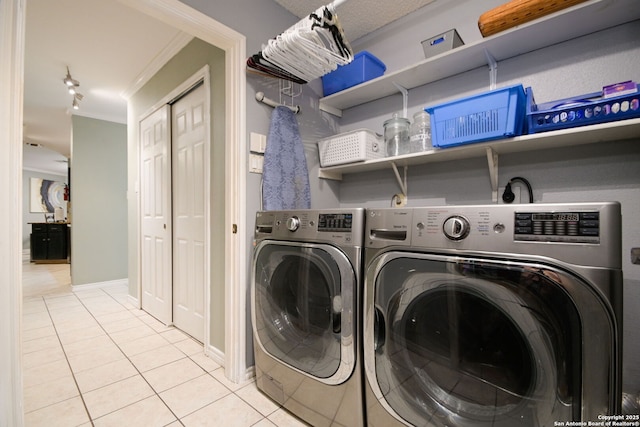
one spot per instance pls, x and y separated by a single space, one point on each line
350 147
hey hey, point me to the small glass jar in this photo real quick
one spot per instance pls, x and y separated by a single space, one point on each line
396 135
421 132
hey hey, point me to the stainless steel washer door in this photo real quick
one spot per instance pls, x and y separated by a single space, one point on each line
453 341
303 308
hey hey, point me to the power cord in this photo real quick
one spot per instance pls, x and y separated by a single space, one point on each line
509 197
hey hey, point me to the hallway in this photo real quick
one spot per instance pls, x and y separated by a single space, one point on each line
90 358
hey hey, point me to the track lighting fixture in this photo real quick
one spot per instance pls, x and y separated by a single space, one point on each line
76 101
72 87
69 81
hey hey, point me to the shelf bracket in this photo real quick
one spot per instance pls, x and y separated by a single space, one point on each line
328 174
402 182
329 109
405 98
493 69
492 160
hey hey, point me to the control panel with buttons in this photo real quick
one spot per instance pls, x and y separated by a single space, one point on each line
569 227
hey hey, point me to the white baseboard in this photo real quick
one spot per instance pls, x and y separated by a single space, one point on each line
100 285
134 301
249 374
215 354
218 356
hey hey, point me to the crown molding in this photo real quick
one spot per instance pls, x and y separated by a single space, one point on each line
176 45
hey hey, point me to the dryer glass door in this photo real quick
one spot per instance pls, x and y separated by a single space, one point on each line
472 342
303 308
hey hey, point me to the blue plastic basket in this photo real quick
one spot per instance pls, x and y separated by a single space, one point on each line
364 67
491 115
582 110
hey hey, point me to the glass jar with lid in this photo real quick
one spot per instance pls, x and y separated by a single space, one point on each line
396 135
421 132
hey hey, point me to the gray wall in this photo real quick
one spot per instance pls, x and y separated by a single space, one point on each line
28 216
270 21
313 124
98 201
608 171
188 61
596 172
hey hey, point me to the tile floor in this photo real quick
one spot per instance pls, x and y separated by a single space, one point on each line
90 358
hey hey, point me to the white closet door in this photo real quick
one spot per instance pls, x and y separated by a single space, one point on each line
155 194
189 209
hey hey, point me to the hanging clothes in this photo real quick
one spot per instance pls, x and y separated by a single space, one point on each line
285 177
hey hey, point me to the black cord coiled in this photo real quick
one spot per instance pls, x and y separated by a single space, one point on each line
509 197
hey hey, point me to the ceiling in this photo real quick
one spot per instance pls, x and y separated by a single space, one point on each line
108 47
357 24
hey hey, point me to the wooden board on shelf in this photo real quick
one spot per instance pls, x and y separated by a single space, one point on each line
518 12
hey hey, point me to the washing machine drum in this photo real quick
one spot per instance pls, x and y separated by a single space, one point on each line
302 309
464 351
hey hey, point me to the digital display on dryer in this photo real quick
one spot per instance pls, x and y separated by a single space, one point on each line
335 222
555 216
568 227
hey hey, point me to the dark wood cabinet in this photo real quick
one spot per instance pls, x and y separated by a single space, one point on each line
49 242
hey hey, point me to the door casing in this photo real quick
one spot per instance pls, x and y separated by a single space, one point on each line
200 77
179 15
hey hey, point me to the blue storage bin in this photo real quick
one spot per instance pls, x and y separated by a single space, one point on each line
491 115
581 110
364 67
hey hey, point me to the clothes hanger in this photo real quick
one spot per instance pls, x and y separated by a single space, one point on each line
309 49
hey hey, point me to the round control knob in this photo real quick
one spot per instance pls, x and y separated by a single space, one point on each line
456 227
293 223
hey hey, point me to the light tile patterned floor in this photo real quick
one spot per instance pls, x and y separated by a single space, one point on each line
92 359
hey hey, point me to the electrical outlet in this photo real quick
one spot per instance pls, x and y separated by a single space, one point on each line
255 163
398 200
515 189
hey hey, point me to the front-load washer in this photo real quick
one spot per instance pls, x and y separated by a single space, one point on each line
306 311
497 315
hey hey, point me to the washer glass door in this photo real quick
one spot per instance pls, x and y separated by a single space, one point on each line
472 342
303 308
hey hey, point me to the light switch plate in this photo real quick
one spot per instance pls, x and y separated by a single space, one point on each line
258 142
255 163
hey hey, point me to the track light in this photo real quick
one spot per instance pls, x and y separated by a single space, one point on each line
72 87
76 101
69 81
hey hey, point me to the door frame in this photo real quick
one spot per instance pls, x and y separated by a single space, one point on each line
191 21
12 48
202 75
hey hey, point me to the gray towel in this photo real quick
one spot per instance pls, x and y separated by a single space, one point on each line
285 178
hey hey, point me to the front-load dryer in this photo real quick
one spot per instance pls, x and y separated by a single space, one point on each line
498 315
306 311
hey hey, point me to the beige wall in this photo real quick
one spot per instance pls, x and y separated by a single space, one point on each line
99 201
187 62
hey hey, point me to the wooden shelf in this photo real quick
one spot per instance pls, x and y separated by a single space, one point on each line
576 21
